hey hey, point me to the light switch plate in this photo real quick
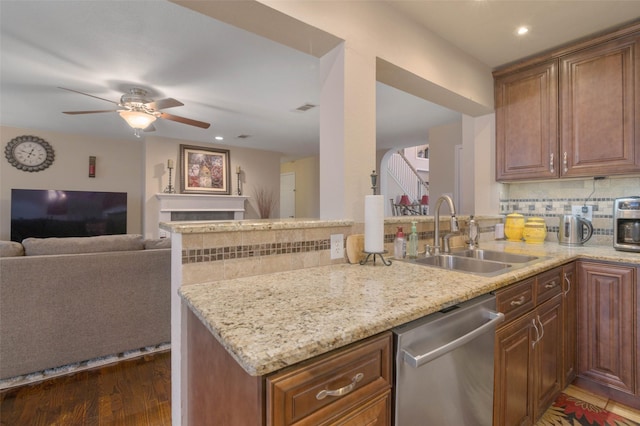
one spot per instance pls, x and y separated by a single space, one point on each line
585 212
337 246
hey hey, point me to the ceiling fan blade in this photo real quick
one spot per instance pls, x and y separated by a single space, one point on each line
164 103
183 120
86 94
89 112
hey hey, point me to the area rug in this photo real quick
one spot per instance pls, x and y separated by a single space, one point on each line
570 411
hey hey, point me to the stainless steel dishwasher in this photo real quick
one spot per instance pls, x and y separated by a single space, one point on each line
444 366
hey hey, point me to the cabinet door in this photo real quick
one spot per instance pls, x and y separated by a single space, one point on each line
607 325
569 313
599 105
548 354
527 123
513 388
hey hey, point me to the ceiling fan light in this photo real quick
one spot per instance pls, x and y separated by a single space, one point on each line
137 119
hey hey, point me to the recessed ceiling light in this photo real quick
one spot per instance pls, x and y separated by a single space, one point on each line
219 138
522 30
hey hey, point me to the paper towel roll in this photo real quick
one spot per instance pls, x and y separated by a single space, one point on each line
373 224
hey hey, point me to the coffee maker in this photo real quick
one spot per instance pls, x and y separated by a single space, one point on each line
626 224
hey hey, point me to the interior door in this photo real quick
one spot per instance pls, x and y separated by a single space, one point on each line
287 195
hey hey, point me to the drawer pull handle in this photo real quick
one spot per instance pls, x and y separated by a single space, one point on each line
552 284
342 391
568 281
518 302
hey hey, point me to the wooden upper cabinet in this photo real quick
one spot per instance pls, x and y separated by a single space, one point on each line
526 123
599 106
572 112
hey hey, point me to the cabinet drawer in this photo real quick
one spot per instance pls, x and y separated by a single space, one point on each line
515 300
548 284
297 396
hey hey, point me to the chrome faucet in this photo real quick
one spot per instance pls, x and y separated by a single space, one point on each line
454 224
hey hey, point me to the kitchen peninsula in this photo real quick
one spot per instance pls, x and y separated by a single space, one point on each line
262 324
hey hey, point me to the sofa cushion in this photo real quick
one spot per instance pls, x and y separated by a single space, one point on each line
75 245
11 249
160 243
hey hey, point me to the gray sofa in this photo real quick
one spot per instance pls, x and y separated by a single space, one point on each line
67 300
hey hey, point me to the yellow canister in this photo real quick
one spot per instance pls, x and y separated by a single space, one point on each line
535 230
514 227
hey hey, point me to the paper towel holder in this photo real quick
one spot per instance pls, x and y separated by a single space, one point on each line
377 253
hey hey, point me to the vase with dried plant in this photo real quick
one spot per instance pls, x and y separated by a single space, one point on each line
266 201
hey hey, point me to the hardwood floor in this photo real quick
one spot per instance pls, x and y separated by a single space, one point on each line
133 392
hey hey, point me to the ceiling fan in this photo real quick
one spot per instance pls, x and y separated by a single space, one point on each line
139 111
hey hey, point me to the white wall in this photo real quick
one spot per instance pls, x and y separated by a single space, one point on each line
136 167
119 168
442 142
259 168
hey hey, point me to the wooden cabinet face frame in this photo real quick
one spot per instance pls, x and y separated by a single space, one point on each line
577 108
608 326
529 349
527 123
599 106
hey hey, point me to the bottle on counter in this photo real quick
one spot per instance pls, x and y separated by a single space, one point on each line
399 244
412 245
473 233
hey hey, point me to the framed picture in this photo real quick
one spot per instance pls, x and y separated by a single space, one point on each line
204 170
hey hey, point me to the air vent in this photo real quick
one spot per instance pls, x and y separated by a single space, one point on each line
305 107
243 136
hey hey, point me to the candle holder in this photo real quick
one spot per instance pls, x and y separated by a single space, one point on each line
238 172
374 181
170 189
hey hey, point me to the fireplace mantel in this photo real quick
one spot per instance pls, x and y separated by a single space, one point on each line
190 207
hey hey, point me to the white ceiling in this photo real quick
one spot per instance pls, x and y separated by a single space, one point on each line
241 83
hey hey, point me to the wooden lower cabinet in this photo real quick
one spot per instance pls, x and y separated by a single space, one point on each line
358 379
220 392
529 366
608 336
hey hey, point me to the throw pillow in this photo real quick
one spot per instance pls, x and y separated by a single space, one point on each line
11 249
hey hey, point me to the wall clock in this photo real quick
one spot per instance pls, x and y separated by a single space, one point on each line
29 153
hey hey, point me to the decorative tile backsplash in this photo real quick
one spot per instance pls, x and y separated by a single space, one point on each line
552 199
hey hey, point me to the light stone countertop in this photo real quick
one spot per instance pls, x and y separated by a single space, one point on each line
200 226
271 321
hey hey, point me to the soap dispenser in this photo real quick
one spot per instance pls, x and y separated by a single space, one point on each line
399 244
412 246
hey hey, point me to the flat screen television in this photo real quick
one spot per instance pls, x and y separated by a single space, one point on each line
54 213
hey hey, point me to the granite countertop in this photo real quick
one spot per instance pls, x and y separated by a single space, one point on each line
199 226
271 321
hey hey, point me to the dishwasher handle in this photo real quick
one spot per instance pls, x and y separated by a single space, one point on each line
419 360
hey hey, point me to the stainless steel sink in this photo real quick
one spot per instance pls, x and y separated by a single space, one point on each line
497 256
464 264
480 262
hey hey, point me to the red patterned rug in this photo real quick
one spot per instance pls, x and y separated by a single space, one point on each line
570 411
